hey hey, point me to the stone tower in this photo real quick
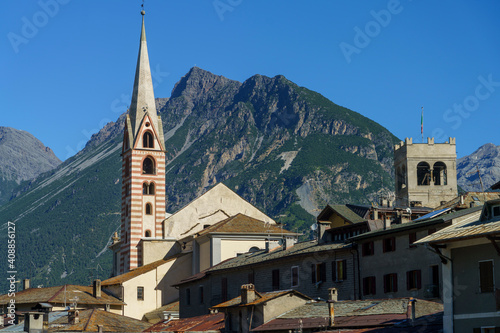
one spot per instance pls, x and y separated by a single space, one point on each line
143 169
426 173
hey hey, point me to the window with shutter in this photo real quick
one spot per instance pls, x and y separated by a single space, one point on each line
486 281
276 279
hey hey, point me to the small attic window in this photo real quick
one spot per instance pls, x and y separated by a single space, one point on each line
147 124
206 226
495 211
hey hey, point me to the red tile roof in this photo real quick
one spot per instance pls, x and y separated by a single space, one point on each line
241 223
210 322
61 295
260 298
138 271
92 318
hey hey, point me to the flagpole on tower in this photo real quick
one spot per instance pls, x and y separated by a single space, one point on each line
422 124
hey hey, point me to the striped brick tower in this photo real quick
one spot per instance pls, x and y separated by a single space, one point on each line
143 167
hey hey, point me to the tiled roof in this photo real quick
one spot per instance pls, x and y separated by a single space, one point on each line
465 200
345 212
262 256
157 314
367 313
417 224
90 319
241 223
210 322
138 271
304 248
464 230
61 295
260 298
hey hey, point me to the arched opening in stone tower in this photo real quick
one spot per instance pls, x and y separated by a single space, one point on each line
439 174
423 173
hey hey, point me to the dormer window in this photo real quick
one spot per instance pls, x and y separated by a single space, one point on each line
147 140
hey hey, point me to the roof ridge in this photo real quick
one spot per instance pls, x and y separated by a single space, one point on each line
57 293
88 320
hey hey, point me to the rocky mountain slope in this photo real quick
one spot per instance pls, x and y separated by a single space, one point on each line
23 157
487 160
284 148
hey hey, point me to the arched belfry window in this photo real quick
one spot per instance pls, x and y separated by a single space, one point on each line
145 188
148 166
152 188
147 233
439 174
147 140
423 173
149 209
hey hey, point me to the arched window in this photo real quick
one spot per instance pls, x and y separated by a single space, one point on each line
423 173
149 209
148 233
147 140
439 174
148 188
148 166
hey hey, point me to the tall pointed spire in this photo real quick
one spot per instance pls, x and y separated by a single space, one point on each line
143 99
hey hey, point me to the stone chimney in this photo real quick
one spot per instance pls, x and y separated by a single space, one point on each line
321 232
96 291
272 244
26 284
247 293
333 294
33 322
73 317
332 298
288 242
100 328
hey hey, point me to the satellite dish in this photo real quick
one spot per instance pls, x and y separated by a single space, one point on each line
314 226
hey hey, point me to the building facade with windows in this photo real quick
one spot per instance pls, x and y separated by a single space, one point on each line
392 265
307 267
470 255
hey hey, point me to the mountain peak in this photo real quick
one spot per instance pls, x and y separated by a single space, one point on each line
197 82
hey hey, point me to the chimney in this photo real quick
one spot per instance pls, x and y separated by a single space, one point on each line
289 242
33 322
333 294
247 293
99 328
375 213
413 302
321 232
96 292
26 284
272 244
73 317
332 298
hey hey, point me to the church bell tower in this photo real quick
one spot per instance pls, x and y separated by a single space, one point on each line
143 169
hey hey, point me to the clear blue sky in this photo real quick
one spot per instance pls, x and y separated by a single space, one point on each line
68 66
